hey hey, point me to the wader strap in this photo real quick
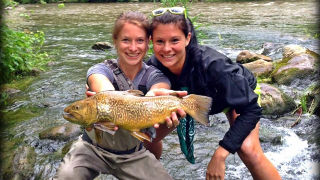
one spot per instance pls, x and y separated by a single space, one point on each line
122 81
86 137
143 83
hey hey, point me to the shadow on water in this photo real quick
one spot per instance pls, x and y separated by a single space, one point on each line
230 28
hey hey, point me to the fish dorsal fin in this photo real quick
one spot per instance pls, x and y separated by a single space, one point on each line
135 92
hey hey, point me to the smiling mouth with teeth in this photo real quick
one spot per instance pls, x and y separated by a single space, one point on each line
133 55
168 56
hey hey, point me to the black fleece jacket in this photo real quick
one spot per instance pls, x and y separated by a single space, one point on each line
210 73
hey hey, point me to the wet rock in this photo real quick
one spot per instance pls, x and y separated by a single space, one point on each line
269 48
63 132
274 101
52 63
271 138
247 57
23 162
9 91
278 140
297 63
270 135
293 50
46 104
35 71
259 67
102 45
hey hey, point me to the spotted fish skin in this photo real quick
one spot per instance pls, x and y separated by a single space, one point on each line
131 111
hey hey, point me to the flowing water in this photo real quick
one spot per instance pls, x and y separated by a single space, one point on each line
230 27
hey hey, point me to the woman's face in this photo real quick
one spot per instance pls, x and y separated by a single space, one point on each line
169 45
131 44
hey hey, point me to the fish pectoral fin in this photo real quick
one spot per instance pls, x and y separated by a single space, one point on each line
105 127
140 135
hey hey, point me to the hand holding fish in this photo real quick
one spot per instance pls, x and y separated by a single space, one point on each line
172 121
164 92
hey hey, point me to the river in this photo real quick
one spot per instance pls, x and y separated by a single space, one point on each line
230 27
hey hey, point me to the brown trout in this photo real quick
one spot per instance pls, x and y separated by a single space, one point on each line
132 111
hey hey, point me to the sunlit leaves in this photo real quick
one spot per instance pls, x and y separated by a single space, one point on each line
20 52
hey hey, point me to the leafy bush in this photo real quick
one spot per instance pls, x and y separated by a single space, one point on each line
9 3
20 52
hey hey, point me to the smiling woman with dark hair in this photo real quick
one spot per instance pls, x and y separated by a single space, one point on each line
203 70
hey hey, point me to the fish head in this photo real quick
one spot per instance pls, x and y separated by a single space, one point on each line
83 112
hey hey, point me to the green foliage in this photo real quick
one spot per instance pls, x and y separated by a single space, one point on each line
150 51
20 53
172 3
303 102
7 155
3 99
196 24
61 5
9 3
197 27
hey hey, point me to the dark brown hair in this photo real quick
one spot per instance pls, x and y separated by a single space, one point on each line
185 25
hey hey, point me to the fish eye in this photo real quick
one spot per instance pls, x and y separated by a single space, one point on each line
75 107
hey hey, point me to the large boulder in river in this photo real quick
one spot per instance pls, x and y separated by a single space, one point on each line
102 46
248 56
63 132
297 63
259 67
274 101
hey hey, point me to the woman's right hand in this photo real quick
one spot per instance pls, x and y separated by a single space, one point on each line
216 167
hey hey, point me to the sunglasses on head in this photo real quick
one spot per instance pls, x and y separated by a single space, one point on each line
172 10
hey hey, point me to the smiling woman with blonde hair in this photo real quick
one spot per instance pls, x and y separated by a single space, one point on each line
120 154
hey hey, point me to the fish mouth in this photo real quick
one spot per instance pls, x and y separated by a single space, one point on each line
69 117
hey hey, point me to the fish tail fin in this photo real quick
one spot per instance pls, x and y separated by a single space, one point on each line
197 107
